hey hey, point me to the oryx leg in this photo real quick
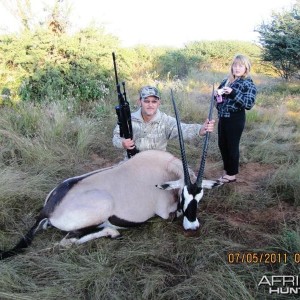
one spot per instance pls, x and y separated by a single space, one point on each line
209 184
167 209
172 216
176 214
88 234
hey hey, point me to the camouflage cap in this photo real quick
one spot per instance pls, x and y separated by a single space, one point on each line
148 91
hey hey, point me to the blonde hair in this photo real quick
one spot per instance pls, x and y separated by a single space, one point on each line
243 60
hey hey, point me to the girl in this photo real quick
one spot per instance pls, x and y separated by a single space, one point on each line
235 94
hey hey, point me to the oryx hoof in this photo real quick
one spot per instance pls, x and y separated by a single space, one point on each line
66 243
172 216
117 237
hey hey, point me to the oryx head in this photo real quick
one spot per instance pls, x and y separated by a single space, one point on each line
191 193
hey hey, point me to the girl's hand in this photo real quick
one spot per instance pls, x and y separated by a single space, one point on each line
227 90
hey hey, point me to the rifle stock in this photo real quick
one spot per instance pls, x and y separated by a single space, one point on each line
123 112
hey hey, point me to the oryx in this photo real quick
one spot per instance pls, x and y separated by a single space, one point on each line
128 194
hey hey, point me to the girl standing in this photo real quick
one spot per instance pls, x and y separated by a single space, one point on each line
234 95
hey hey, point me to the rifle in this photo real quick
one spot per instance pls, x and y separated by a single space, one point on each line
123 113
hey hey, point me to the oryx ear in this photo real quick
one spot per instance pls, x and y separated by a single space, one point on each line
209 184
170 185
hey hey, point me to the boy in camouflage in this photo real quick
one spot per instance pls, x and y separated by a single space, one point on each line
152 128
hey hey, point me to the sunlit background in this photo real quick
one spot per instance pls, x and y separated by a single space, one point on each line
162 23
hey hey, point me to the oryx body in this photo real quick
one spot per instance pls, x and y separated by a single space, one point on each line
96 204
126 192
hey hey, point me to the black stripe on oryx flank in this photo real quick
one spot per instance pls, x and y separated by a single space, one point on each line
59 192
116 221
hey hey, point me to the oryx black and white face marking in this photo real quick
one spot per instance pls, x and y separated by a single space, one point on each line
190 198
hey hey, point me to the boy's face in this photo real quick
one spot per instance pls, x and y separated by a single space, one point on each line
149 105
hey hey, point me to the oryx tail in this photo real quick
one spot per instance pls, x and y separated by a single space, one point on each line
24 242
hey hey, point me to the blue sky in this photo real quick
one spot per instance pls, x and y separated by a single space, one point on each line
167 22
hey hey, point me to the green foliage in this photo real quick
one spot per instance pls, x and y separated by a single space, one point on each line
177 63
280 39
218 55
139 60
45 66
205 55
52 84
291 88
41 66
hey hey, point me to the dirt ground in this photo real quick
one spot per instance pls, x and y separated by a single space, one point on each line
249 177
257 223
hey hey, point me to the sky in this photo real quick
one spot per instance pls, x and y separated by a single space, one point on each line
167 22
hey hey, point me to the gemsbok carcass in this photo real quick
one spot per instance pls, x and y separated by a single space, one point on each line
97 204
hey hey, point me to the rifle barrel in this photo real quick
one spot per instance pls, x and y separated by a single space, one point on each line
123 112
115 68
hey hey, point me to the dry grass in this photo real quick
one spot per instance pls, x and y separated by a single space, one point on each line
156 261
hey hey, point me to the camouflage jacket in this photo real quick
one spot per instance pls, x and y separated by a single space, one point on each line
156 133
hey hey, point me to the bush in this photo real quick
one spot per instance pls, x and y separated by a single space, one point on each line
54 83
47 66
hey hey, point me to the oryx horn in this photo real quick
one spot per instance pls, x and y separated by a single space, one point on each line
187 179
206 141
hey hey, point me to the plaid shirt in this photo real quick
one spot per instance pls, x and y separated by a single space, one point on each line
242 97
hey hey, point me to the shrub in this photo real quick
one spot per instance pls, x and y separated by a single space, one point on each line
47 66
54 83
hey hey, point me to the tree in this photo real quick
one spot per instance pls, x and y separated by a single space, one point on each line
280 39
22 10
54 15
